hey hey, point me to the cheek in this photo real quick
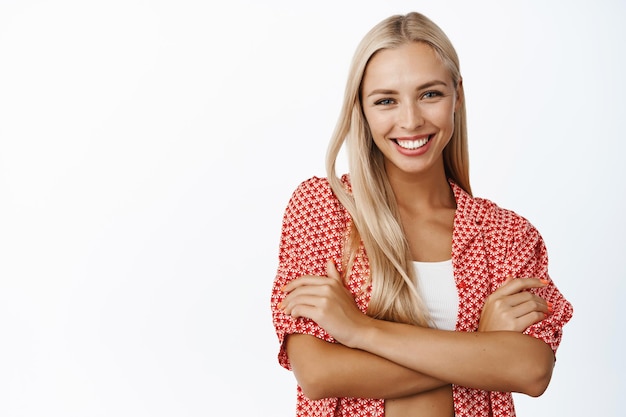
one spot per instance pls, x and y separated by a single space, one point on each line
378 123
443 117
377 128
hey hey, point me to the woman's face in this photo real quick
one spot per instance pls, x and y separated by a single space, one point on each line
409 99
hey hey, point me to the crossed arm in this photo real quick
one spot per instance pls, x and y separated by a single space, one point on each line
325 370
381 359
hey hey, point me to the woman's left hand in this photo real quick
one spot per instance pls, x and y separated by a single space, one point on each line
326 301
512 307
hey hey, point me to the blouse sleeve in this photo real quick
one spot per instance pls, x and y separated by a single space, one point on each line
528 257
312 231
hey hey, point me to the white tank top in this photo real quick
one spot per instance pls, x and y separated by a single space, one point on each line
438 289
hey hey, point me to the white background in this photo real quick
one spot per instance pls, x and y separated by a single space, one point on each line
148 149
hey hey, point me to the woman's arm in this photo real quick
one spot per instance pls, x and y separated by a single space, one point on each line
492 361
489 360
325 370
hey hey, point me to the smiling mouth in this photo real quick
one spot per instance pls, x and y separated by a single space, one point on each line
412 144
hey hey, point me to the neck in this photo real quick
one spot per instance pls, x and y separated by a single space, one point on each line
422 193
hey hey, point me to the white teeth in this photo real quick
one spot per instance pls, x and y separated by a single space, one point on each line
412 144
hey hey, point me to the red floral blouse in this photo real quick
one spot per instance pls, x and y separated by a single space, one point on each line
489 243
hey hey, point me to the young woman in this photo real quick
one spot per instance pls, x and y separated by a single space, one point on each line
397 292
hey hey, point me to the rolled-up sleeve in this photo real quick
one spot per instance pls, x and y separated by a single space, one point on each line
312 233
529 258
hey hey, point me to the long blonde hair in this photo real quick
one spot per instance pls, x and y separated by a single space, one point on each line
371 202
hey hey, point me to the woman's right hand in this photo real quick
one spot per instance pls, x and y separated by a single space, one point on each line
512 308
328 302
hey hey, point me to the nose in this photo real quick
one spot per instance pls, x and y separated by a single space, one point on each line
410 116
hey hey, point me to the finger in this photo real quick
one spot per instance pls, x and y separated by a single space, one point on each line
522 297
531 306
312 290
529 319
303 281
299 302
508 279
331 270
303 310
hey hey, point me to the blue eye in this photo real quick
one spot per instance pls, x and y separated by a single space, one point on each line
384 102
432 94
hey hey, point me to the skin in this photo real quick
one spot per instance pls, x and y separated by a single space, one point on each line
408 95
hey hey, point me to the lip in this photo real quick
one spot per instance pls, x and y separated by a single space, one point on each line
413 152
416 137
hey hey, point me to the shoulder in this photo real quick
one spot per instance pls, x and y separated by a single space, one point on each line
314 201
492 218
317 192
321 184
313 187
314 191
510 242
505 219
510 224
314 227
486 212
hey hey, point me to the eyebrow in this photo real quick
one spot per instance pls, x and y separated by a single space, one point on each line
429 84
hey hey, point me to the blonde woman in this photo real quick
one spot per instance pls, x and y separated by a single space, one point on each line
398 293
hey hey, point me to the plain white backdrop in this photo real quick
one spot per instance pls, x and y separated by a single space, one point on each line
148 150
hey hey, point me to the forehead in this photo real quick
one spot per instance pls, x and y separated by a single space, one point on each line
410 63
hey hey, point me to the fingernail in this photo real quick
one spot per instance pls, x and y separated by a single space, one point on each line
544 281
550 307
